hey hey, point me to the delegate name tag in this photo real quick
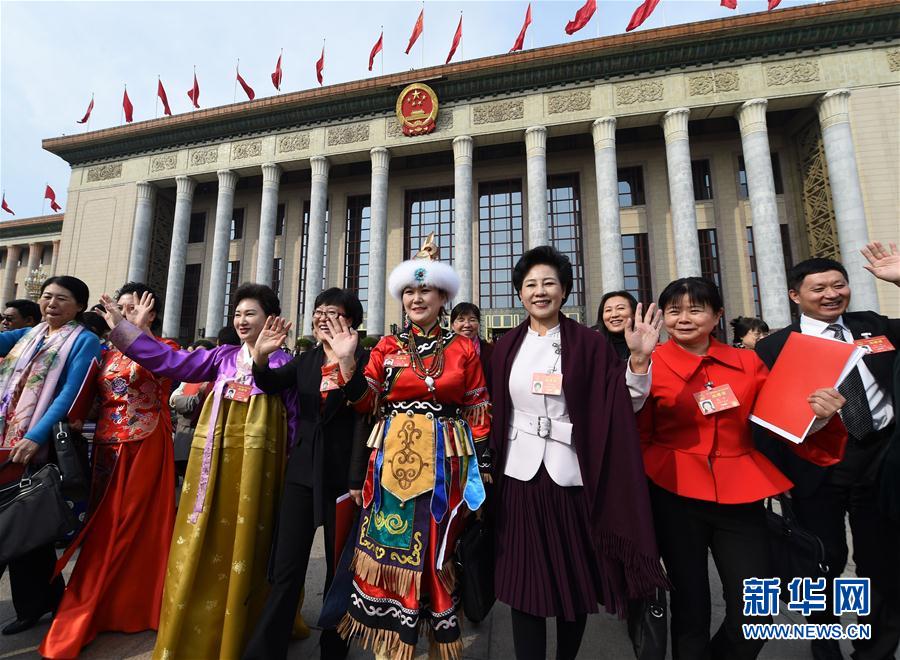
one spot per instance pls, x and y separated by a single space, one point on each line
397 360
542 383
235 391
329 382
716 399
880 344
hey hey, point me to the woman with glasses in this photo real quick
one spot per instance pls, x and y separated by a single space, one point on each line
324 464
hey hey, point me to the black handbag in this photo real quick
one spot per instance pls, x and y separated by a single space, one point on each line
794 551
71 451
648 626
475 570
33 512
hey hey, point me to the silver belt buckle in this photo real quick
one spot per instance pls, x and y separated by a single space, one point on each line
543 427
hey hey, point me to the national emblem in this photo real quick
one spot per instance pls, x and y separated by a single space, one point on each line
417 109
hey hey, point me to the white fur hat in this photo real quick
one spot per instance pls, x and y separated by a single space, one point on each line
423 272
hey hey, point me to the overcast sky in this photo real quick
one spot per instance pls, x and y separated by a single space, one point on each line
53 55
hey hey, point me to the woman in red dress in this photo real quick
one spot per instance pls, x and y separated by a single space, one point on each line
118 578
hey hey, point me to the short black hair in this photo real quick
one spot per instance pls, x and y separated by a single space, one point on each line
262 294
138 289
228 336
632 302
798 273
203 343
699 290
744 324
73 285
95 323
27 308
470 309
548 256
342 298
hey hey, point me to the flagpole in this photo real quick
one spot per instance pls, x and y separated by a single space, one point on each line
88 124
423 34
156 107
44 202
281 77
462 39
382 50
122 113
237 72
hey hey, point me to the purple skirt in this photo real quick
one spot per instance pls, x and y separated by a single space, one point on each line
546 562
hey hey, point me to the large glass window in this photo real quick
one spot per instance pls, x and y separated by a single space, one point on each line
564 216
710 267
237 224
430 210
356 265
279 220
197 228
232 281
636 262
301 302
631 186
744 191
277 275
702 180
500 240
190 301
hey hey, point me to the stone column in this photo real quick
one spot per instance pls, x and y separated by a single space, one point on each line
184 200
536 161
34 256
315 251
681 193
54 262
772 279
215 306
13 252
462 205
612 275
846 193
268 213
381 159
141 235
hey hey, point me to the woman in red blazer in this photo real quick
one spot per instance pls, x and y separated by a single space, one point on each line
707 480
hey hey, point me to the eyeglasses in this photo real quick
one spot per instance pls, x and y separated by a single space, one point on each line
330 313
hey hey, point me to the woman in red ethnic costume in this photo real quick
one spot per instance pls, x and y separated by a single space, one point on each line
117 581
426 387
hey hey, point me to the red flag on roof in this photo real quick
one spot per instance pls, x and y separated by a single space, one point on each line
276 74
457 37
248 90
49 194
520 40
730 4
127 107
161 93
194 92
417 30
87 115
320 66
773 4
5 206
641 14
376 49
582 16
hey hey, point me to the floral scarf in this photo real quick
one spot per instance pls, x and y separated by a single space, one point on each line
29 375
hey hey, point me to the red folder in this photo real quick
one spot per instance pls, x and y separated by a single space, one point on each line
345 509
806 363
84 400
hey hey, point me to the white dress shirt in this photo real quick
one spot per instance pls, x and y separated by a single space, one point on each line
527 450
879 401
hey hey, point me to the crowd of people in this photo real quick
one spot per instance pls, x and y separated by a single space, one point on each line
594 455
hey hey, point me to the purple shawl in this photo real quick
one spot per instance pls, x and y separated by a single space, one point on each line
604 433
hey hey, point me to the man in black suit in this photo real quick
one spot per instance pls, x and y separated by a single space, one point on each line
823 497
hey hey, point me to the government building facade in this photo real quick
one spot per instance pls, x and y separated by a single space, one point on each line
729 148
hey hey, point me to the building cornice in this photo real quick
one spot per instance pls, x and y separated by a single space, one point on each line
44 224
810 27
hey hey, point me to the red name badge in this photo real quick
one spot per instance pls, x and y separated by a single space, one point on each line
716 399
397 360
329 382
880 344
235 391
542 383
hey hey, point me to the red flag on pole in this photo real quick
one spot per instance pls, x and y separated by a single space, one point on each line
320 65
456 38
376 49
5 206
194 92
773 4
582 16
417 30
641 14
129 109
87 115
730 4
276 75
49 194
520 40
248 90
161 93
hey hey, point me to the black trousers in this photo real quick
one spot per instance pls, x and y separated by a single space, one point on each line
530 636
850 489
296 530
33 593
686 530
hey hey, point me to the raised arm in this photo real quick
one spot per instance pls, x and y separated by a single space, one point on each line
196 366
9 338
